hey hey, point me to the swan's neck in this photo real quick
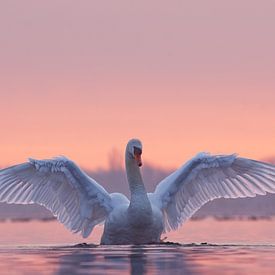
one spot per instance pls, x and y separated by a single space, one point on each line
134 177
139 203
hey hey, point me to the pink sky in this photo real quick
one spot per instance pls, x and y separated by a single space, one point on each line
79 78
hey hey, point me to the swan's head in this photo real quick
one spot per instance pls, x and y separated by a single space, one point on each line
134 150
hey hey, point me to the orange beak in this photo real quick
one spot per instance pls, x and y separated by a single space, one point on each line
138 159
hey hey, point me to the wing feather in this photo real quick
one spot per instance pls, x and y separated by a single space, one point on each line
75 199
207 177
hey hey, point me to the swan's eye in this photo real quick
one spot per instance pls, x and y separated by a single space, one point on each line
137 151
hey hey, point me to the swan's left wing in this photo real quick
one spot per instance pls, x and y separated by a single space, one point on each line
77 200
207 177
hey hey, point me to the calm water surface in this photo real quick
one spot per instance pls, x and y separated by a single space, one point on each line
233 247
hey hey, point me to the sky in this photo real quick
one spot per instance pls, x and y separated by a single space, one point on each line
80 78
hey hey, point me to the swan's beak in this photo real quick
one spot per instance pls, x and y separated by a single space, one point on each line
138 159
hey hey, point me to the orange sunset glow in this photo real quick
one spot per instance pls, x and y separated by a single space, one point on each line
81 78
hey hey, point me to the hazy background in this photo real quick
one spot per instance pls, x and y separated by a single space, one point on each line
80 78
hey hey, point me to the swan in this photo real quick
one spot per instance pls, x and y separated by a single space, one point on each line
80 203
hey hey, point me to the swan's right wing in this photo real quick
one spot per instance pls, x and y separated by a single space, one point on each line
58 184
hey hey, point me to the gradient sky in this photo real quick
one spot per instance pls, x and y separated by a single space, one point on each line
78 78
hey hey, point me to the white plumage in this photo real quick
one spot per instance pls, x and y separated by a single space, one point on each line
207 177
80 203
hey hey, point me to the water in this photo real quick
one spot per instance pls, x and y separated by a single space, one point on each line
233 247
161 259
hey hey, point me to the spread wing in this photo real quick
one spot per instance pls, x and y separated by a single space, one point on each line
58 184
207 177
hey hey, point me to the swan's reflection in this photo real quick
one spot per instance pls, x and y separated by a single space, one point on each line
161 259
136 260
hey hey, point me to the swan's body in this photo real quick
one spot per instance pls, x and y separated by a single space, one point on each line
80 203
137 221
124 226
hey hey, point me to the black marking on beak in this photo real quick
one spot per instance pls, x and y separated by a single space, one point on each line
137 151
137 155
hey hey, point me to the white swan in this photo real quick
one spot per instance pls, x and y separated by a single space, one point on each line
80 203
